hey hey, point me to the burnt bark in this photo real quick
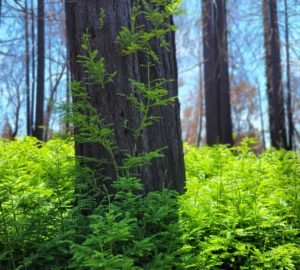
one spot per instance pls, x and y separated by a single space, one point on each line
39 112
27 72
33 66
216 75
274 75
288 79
164 172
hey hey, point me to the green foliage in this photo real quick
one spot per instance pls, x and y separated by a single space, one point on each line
241 211
101 18
95 72
138 37
131 231
36 192
148 96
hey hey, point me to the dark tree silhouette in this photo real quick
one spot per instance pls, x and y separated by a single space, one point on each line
288 77
40 91
216 77
274 75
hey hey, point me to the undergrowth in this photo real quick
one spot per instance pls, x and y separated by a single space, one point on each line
239 211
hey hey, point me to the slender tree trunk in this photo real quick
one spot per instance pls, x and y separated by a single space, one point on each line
164 172
261 118
216 76
17 113
27 71
32 66
274 75
68 94
200 129
201 97
39 112
288 78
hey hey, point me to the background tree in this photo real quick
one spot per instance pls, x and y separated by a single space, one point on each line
274 75
218 115
288 78
40 93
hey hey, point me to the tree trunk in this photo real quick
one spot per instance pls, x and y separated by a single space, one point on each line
216 76
274 75
39 112
261 118
165 172
33 66
288 79
201 105
27 71
68 94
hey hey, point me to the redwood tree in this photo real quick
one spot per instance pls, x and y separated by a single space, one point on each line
216 77
82 15
274 74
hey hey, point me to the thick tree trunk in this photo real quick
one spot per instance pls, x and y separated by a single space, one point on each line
39 112
164 172
274 75
216 76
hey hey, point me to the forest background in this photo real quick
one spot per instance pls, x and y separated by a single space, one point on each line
246 55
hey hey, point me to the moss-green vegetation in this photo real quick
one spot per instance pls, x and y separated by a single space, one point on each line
240 211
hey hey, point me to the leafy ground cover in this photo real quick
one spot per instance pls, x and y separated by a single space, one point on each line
240 211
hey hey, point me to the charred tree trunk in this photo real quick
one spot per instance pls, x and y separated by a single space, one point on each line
288 79
201 105
165 172
68 94
39 112
33 66
274 75
27 72
216 75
